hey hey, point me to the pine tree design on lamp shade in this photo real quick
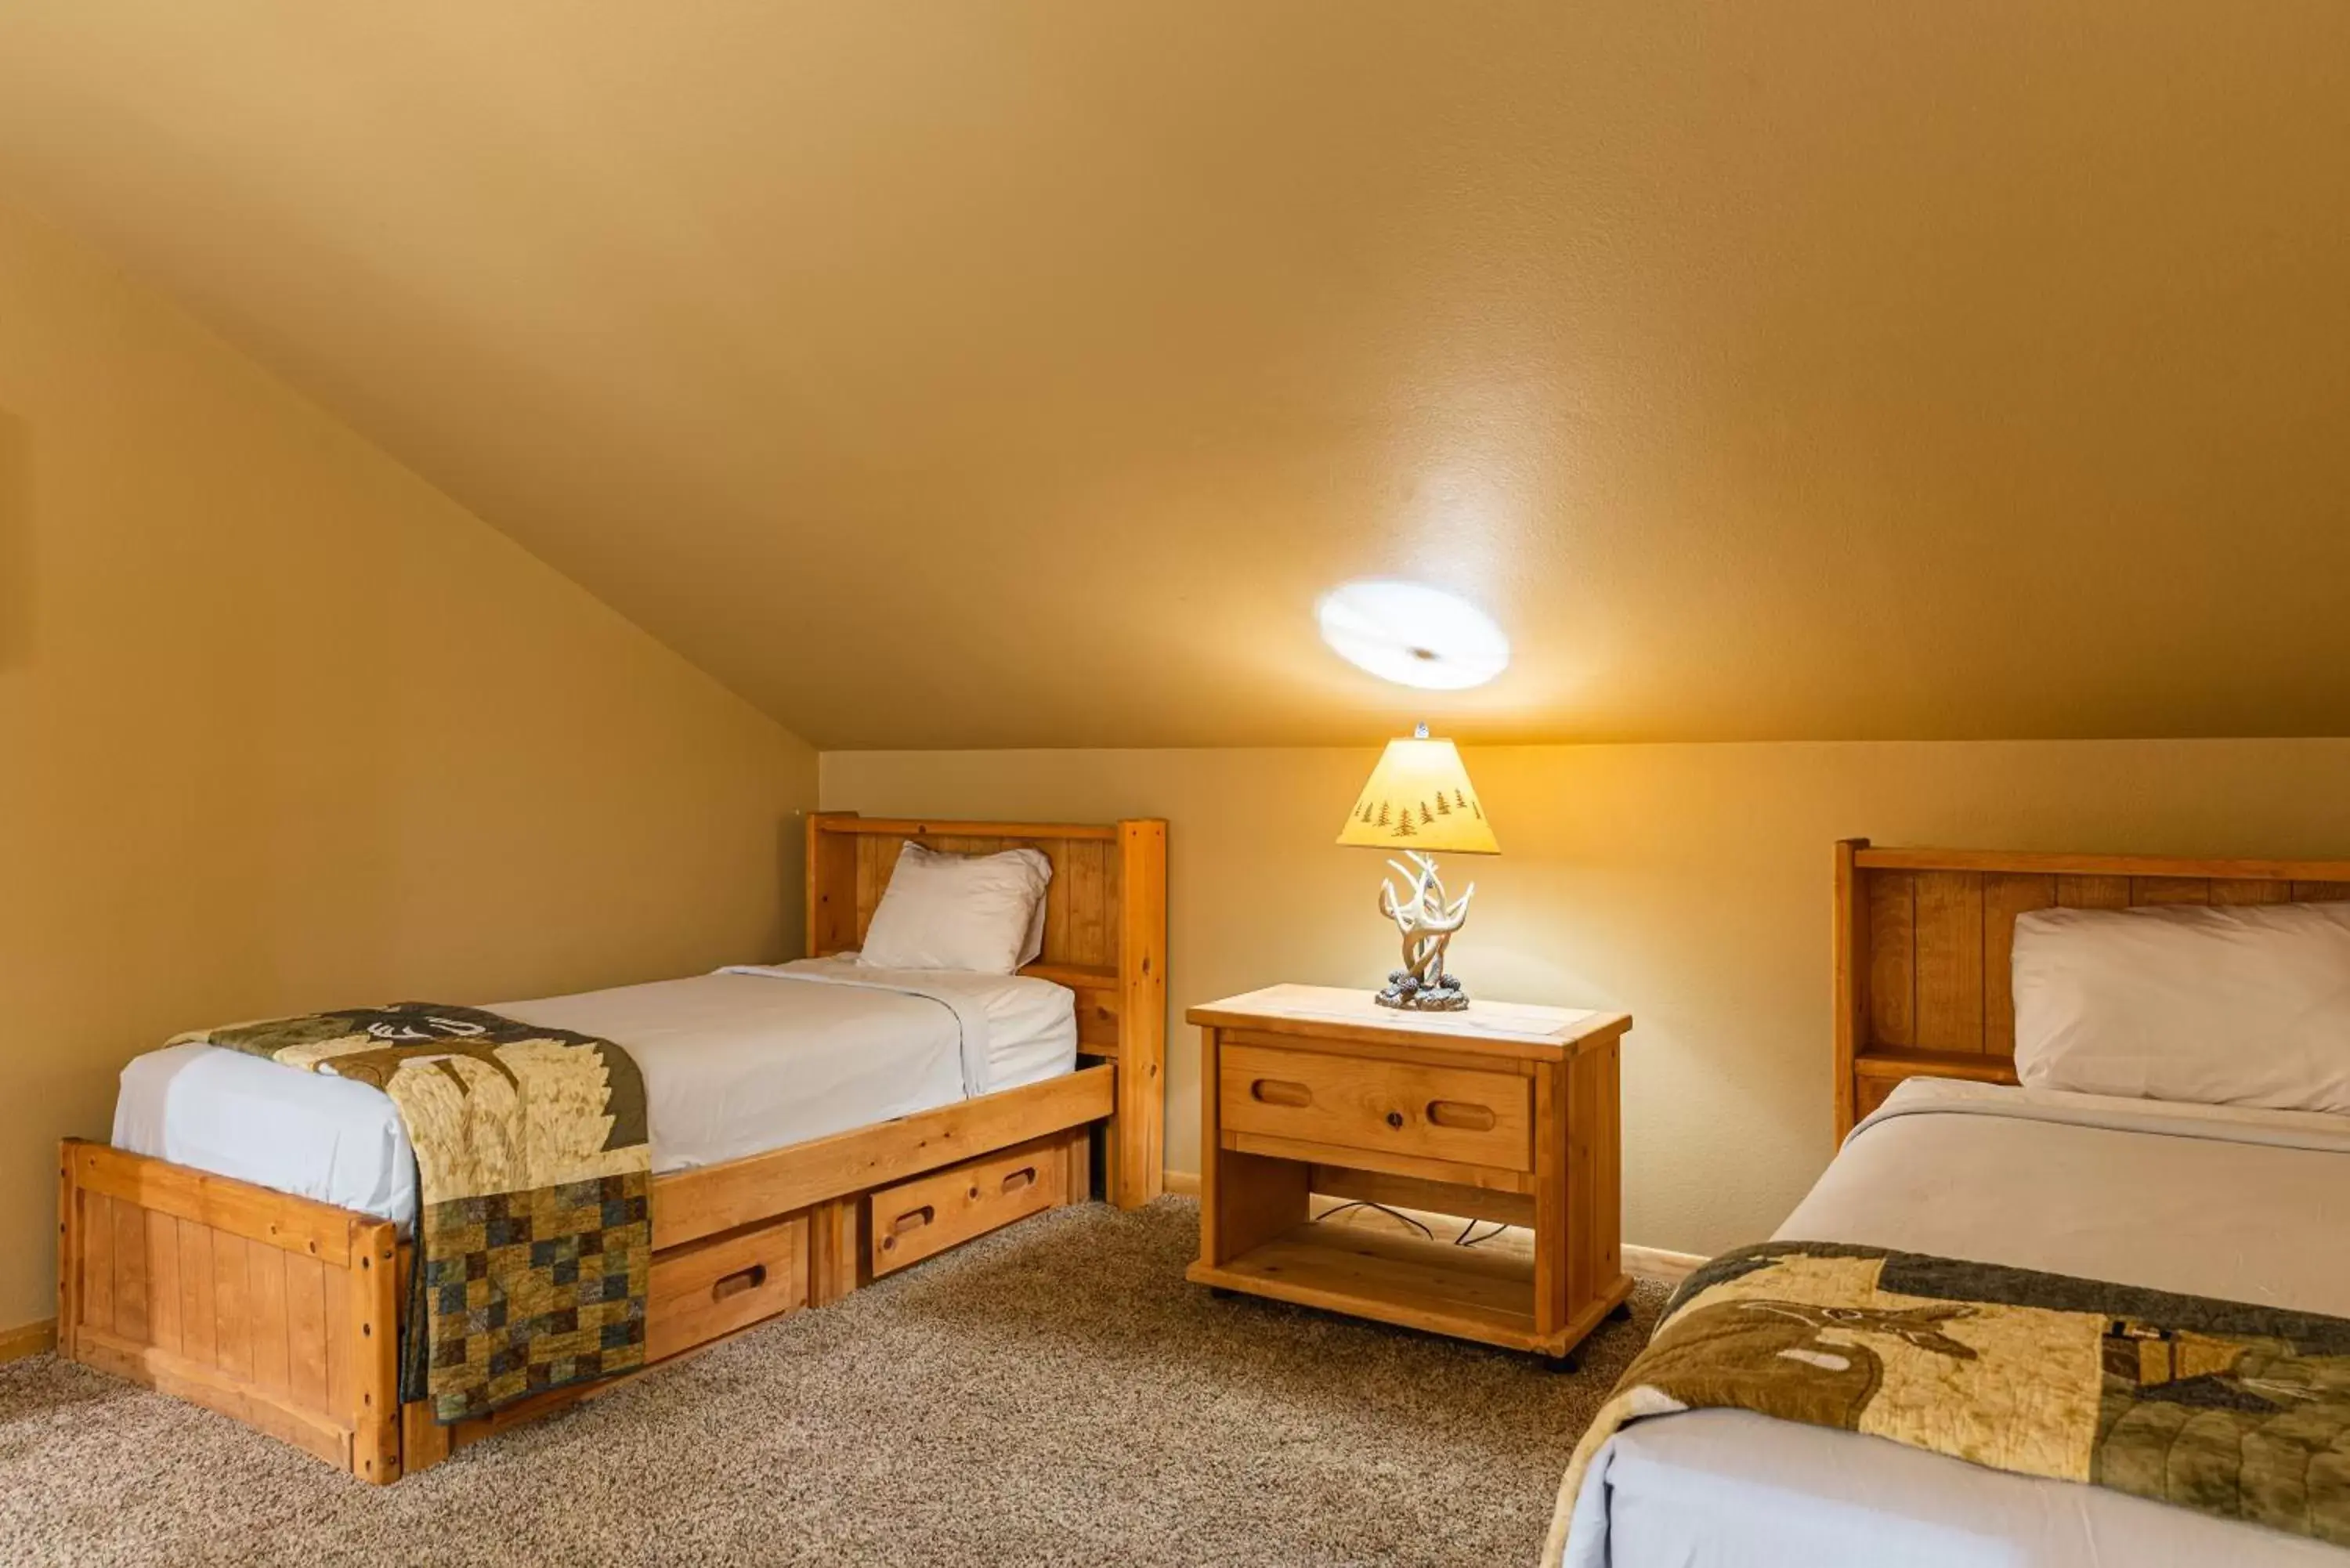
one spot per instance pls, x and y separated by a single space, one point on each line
1419 802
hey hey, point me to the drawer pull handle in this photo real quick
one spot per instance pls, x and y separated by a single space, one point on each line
741 1280
1023 1177
912 1219
1460 1114
1280 1092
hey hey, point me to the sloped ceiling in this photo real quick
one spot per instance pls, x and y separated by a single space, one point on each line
1017 372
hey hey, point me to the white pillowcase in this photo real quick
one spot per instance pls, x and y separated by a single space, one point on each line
2222 1006
984 913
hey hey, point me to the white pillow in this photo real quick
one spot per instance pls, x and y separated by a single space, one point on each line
979 912
2222 1006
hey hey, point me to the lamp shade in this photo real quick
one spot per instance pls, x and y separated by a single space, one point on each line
1420 797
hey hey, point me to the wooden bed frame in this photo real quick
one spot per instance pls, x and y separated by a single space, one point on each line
284 1312
1923 939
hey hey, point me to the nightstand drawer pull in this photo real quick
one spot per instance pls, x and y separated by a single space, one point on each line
1461 1113
1280 1092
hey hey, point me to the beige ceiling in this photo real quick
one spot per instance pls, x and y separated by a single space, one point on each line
1015 372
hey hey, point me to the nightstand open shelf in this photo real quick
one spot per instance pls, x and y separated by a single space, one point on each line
1408 1281
1501 1113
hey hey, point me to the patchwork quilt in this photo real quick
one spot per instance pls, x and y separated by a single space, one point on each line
2230 1409
534 1229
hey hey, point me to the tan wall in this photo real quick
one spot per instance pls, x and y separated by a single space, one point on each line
281 726
1689 885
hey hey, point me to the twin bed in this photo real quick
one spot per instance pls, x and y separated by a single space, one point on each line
246 1240
1952 1159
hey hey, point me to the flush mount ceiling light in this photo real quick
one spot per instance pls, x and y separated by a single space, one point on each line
1412 634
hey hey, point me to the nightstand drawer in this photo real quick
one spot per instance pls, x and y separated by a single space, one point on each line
1404 1109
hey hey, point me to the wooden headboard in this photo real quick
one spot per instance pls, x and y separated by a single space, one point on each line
1104 938
1923 939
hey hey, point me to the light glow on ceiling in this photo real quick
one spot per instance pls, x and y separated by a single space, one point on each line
1412 634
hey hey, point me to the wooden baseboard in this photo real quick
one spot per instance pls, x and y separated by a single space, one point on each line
30 1340
1648 1262
1655 1263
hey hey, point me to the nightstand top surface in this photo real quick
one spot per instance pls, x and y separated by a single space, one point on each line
1513 1028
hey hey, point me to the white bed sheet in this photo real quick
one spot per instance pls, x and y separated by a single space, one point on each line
2125 1191
736 1063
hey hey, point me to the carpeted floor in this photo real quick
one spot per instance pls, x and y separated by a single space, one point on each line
1054 1394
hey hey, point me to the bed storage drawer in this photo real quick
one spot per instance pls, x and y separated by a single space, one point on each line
701 1292
930 1213
1361 1104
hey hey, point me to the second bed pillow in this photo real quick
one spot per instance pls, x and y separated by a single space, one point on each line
2225 1006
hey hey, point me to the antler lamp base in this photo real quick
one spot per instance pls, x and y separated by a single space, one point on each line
1428 921
1404 991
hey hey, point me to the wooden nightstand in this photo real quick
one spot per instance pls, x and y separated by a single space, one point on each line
1501 1112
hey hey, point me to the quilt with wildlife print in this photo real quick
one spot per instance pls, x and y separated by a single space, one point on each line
2230 1409
534 1242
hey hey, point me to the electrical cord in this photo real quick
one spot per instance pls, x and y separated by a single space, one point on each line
1392 1213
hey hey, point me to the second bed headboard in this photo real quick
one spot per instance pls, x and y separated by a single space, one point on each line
1923 939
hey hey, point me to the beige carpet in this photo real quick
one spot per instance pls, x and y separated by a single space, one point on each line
1054 1394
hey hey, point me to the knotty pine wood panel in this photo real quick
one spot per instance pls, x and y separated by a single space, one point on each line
232 1304
1091 918
305 1331
829 898
1892 951
2240 891
2006 895
2093 892
1948 964
1056 910
131 1320
162 1281
876 857
272 1358
198 1309
97 1260
1590 1195
336 1291
2146 891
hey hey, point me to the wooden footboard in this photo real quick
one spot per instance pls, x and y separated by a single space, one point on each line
278 1311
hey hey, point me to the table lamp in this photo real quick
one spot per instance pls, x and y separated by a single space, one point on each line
1419 802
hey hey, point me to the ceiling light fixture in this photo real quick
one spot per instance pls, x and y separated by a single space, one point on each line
1412 634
